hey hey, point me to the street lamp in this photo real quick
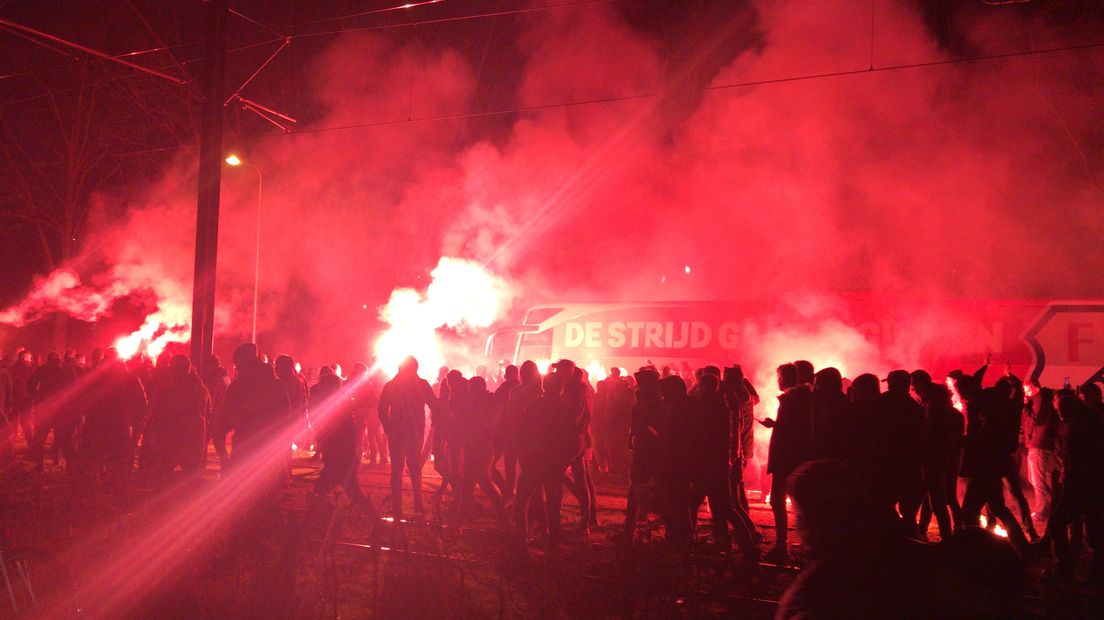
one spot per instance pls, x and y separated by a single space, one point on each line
236 161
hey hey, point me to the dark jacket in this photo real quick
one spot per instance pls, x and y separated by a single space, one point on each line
791 443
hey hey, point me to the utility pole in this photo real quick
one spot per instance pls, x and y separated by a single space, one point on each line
210 182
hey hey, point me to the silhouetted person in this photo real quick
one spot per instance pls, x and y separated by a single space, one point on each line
6 390
176 428
546 446
712 465
647 448
984 461
1040 435
401 411
940 444
338 435
613 421
20 416
1082 481
741 399
898 430
255 408
216 379
53 408
791 444
834 431
506 430
1008 407
474 437
117 398
364 398
677 471
858 565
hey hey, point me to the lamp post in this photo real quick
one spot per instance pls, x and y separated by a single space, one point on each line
235 161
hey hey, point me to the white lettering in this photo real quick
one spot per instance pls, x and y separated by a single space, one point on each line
616 335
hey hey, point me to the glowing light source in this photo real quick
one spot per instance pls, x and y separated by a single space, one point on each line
462 296
169 323
686 269
233 160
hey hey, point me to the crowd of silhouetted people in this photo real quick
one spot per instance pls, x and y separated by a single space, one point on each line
866 468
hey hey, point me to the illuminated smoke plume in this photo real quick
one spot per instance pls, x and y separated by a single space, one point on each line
61 291
974 179
461 297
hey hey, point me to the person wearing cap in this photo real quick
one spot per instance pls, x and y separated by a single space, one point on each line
900 431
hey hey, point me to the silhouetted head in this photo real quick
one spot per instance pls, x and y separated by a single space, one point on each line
567 367
939 395
477 385
672 388
708 384
1003 388
865 388
328 384
787 376
360 369
180 366
898 381
805 372
69 356
1046 399
455 381
408 366
921 381
733 375
53 358
968 387
647 381
511 373
285 367
828 381
712 370
529 373
553 384
245 354
614 372
1091 393
442 372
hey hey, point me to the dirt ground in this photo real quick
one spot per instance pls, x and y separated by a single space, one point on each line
307 557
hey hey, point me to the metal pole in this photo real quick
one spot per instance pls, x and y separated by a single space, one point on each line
210 179
257 258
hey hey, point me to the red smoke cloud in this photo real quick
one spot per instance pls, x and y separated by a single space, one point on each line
971 179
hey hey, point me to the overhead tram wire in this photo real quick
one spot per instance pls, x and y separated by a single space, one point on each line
537 108
292 27
715 87
642 96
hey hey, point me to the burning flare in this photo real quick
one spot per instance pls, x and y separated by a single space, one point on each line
462 296
169 323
